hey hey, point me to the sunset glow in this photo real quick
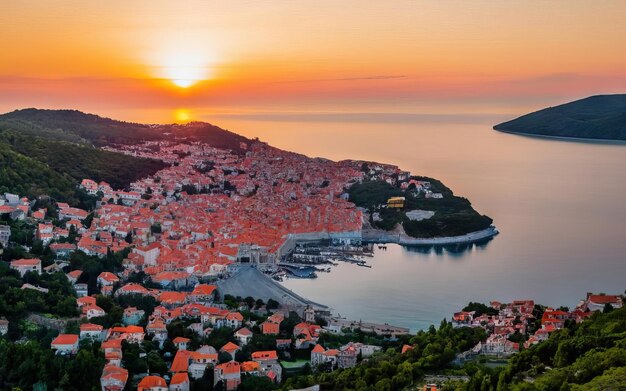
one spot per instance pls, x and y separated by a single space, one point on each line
182 115
304 195
183 64
479 56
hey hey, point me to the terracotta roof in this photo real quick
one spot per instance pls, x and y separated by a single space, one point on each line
151 381
181 361
112 344
181 340
132 287
65 339
249 366
108 276
229 367
244 331
90 327
172 297
604 299
319 349
127 329
234 316
118 373
179 378
26 262
203 289
265 355
270 328
229 347
75 273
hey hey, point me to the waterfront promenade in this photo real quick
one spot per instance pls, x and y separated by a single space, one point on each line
379 236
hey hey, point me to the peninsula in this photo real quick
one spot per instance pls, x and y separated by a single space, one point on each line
233 194
599 117
143 253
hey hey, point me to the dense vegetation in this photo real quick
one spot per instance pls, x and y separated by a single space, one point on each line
49 151
35 166
73 125
16 303
33 365
596 117
25 176
586 356
453 215
433 351
78 161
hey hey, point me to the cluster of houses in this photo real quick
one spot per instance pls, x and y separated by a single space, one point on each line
519 317
344 357
15 207
203 315
209 210
191 222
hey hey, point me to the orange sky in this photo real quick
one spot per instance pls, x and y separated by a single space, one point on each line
124 58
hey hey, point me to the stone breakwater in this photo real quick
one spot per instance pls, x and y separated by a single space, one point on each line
379 236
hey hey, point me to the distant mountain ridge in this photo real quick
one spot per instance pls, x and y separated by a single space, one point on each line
601 117
76 126
47 152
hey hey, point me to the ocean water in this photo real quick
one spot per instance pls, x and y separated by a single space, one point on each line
560 207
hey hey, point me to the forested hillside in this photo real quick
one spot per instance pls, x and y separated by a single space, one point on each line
600 117
586 356
78 161
34 166
50 151
76 126
22 175
453 215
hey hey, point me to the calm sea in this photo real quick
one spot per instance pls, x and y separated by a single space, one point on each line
560 207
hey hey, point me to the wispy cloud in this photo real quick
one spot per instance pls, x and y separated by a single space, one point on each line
377 77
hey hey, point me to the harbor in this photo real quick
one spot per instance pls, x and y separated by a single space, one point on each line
307 259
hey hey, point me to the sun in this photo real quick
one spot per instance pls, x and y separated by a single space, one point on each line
184 65
181 60
184 83
185 76
182 115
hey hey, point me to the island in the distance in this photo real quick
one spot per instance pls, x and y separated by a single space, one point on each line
599 117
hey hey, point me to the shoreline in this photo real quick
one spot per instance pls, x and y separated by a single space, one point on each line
380 236
605 141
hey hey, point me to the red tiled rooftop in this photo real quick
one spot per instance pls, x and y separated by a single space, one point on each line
26 262
90 327
604 299
151 381
65 339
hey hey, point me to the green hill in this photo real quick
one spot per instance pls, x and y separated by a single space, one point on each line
587 356
601 117
26 176
76 126
50 151
78 161
34 166
454 216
